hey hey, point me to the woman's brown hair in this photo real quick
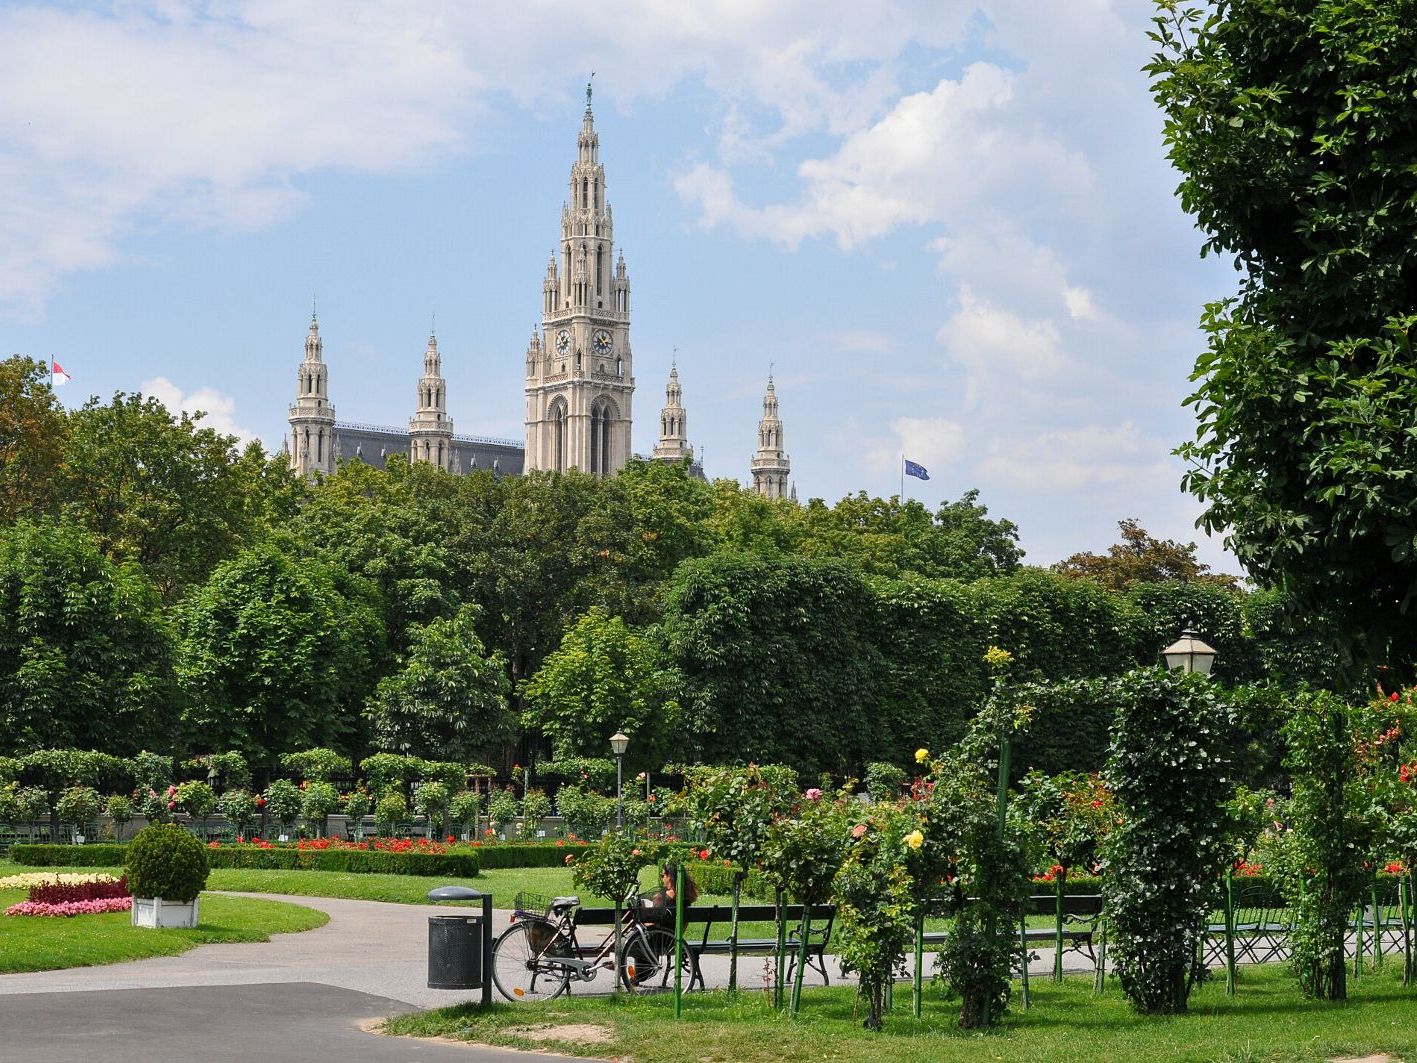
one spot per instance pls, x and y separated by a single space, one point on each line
691 889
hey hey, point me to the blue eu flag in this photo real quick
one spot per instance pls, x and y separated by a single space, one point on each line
911 469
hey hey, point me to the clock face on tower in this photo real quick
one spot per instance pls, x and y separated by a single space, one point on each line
603 342
563 341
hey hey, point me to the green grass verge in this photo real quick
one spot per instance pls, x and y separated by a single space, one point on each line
30 943
1268 1020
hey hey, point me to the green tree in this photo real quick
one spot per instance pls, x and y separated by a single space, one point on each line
273 657
449 697
779 660
85 656
1142 558
164 492
891 537
388 527
33 429
1292 127
605 677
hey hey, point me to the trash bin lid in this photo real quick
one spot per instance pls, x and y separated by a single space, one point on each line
454 893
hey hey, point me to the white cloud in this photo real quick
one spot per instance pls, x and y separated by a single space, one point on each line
1000 350
937 443
181 112
1080 304
1069 459
219 410
945 156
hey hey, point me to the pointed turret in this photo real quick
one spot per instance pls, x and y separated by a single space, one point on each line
312 417
771 464
430 430
673 443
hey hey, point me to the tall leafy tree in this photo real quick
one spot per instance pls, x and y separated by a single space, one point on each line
273 657
33 429
163 491
448 698
894 536
605 677
1294 128
1142 558
85 656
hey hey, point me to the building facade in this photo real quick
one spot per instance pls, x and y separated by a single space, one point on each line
579 385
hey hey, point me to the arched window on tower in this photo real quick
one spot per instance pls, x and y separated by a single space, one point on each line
558 437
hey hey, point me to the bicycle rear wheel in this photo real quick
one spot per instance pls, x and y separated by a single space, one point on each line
649 962
523 960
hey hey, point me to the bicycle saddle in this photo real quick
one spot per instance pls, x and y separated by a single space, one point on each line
560 904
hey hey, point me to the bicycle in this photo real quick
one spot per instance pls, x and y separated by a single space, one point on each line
538 956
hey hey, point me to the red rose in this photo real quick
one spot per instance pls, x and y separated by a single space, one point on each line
704 854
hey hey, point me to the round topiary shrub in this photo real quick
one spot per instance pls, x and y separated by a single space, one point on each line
165 861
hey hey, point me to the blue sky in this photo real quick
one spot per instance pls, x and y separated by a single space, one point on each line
950 227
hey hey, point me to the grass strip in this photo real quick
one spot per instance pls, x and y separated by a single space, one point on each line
49 944
1267 1021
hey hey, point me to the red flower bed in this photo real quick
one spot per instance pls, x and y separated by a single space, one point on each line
74 892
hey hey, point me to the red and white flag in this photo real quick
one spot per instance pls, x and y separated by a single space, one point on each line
57 376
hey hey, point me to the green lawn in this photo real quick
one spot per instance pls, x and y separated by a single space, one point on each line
31 943
1267 1020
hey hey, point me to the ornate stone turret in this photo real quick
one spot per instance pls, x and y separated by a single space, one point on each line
312 418
771 464
580 388
430 430
673 443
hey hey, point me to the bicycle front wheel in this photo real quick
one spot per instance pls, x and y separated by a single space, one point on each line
649 962
524 961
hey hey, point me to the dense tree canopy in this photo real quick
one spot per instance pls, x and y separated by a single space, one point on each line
273 657
605 678
1294 127
33 429
448 698
85 655
1141 558
162 491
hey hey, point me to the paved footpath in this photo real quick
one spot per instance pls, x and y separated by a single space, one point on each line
297 998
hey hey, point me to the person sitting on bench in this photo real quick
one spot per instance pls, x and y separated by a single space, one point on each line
661 908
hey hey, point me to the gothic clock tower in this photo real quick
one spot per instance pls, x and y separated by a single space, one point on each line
579 376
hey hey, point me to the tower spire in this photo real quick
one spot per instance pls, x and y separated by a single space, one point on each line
312 417
771 464
579 375
673 445
430 429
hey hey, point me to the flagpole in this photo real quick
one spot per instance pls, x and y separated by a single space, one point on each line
902 478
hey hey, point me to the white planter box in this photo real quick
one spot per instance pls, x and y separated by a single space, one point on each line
154 912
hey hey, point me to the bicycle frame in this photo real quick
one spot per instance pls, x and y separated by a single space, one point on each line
586 961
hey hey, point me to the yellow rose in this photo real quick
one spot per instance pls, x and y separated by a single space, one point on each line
921 755
915 839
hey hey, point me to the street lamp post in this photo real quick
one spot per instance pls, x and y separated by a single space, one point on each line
619 742
1189 654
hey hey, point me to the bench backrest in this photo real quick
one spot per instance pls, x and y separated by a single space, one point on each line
719 913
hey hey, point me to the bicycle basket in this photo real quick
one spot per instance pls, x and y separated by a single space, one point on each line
532 904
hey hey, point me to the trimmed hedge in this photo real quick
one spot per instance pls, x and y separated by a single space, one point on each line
47 855
514 855
357 861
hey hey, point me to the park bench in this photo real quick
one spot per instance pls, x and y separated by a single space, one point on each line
710 916
1076 921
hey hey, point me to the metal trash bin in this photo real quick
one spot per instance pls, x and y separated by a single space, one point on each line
460 946
455 952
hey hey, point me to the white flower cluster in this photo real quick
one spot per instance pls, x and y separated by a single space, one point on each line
51 878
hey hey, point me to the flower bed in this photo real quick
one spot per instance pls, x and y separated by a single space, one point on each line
65 909
71 892
48 878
